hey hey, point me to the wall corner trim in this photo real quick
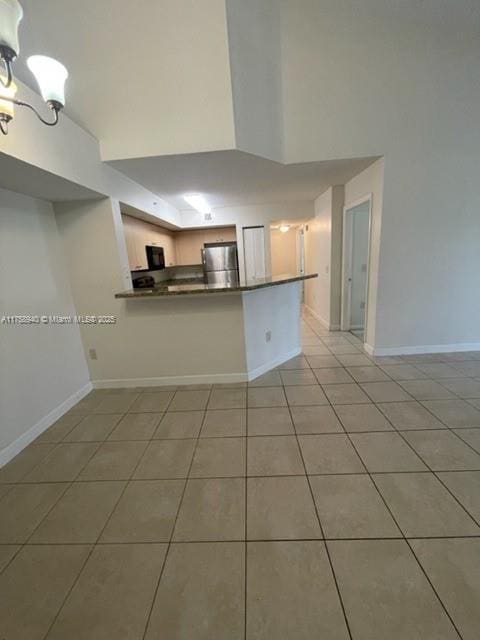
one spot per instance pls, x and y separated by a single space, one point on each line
15 447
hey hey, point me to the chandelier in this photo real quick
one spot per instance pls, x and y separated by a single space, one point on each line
49 74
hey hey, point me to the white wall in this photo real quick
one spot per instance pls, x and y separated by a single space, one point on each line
401 81
284 251
275 310
41 366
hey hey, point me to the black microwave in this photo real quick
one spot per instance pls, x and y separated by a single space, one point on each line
155 258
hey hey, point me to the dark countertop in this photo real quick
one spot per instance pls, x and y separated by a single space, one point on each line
192 288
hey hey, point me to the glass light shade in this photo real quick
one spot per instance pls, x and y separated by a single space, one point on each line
11 13
7 108
50 76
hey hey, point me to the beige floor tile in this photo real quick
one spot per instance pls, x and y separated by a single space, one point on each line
189 401
402 371
146 512
385 392
475 403
291 593
164 459
136 426
316 419
350 506
201 594
113 595
116 403
281 509
344 349
212 509
367 374
180 424
454 413
224 423
64 463
386 451
316 349
354 360
114 461
24 462
437 371
468 368
24 507
89 402
305 395
425 390
60 429
274 456
299 362
443 450
7 552
423 507
296 377
332 375
465 486
33 587
219 458
453 566
270 422
470 436
362 417
323 362
152 402
463 387
80 514
94 428
230 385
195 387
228 399
270 379
330 453
409 415
385 593
266 397
345 394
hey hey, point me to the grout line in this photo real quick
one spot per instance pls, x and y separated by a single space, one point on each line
169 544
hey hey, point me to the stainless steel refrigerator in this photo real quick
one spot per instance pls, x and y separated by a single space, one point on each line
220 263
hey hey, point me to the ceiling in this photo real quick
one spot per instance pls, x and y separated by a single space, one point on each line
235 178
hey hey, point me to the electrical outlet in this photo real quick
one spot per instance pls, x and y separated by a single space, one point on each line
362 305
268 336
93 354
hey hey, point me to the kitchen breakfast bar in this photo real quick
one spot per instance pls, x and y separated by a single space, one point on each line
246 329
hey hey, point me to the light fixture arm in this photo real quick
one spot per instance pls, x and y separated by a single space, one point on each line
7 56
56 107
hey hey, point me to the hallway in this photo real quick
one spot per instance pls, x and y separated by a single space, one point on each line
336 497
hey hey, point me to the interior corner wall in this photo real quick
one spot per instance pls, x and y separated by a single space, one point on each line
338 199
43 371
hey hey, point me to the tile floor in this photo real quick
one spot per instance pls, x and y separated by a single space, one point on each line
335 498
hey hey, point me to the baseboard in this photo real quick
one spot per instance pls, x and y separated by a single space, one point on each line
15 447
422 349
255 373
323 322
215 378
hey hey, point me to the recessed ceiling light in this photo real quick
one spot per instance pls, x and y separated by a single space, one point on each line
198 202
284 228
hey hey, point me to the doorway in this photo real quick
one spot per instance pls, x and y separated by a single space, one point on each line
356 260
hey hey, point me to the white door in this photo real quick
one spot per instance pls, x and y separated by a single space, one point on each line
254 252
356 251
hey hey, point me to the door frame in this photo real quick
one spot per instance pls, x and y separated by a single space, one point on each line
347 248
